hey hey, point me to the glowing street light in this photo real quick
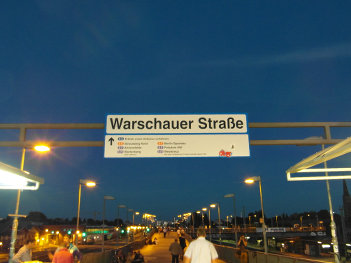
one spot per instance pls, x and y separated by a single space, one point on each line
42 148
87 183
251 181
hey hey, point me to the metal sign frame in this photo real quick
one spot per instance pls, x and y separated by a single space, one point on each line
22 142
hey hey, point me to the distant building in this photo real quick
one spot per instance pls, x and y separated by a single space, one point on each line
347 211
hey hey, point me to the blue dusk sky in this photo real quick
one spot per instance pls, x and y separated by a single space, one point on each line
76 61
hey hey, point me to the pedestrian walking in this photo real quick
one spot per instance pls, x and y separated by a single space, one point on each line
175 250
200 250
182 244
164 232
25 252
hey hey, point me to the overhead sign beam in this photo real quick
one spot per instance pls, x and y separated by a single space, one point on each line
100 126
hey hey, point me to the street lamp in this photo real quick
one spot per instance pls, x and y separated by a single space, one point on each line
203 209
136 213
15 219
200 213
87 183
332 152
219 218
42 148
251 181
106 197
234 208
118 207
131 210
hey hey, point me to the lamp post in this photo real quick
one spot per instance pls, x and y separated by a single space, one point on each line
332 222
219 218
234 208
200 213
131 210
39 148
209 216
251 181
136 213
193 218
276 220
87 183
106 197
118 207
203 223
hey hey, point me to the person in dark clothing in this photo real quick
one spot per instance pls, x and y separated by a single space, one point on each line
182 243
138 257
175 250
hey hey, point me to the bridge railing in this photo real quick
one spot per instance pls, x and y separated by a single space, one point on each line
230 255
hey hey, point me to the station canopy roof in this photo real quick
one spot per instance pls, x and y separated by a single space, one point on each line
327 154
14 178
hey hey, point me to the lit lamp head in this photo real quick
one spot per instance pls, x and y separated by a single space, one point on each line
204 209
213 205
87 183
198 212
228 195
42 148
251 180
90 184
137 213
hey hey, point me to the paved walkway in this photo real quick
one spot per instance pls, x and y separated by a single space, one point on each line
159 253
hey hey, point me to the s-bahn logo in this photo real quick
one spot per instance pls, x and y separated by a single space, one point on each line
225 154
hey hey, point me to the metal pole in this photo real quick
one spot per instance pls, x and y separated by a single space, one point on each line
78 211
193 217
263 223
219 224
133 218
15 220
103 226
332 222
276 220
118 214
236 230
244 217
209 216
117 221
127 215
